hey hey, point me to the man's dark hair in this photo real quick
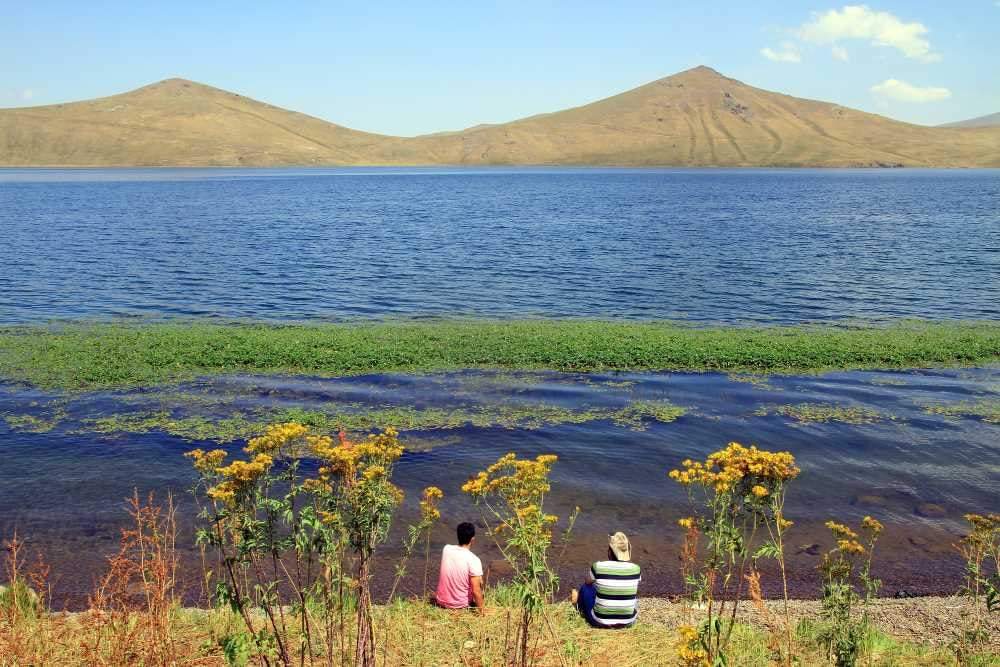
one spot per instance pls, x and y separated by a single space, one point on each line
466 531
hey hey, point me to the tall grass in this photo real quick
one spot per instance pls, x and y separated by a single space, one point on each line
121 355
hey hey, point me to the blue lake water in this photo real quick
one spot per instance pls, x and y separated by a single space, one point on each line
915 469
698 245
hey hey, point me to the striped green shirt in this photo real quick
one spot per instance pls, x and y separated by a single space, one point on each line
617 587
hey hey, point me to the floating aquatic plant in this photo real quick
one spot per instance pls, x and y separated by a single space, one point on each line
242 426
810 413
29 423
988 410
129 355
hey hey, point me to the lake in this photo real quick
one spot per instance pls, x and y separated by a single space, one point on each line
886 451
763 246
917 449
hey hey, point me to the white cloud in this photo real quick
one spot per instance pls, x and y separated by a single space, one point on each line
901 91
840 53
27 94
789 53
879 28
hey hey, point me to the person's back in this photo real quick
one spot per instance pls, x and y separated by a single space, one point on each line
610 596
616 584
460 580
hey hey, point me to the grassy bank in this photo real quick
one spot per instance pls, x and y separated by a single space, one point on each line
907 632
118 355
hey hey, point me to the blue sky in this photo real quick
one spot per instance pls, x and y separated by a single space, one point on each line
409 67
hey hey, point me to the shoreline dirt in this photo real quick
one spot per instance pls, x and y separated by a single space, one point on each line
930 620
911 561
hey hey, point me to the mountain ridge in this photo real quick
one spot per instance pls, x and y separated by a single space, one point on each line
989 120
697 117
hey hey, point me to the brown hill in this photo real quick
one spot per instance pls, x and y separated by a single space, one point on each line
695 118
992 120
176 122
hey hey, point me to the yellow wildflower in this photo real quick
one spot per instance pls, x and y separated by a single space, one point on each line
395 493
980 522
224 493
206 462
277 436
759 491
689 648
526 511
841 531
320 445
247 471
476 485
850 547
319 486
329 518
687 522
724 470
384 446
428 504
873 526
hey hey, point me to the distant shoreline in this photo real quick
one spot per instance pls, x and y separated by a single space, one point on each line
499 167
122 354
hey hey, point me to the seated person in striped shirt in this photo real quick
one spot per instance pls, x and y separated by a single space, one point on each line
610 598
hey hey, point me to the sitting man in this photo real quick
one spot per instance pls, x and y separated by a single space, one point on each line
610 598
460 583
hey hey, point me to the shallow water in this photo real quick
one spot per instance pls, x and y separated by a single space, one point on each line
915 470
699 245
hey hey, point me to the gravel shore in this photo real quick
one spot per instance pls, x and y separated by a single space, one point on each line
932 620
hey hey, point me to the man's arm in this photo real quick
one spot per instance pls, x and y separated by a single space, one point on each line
477 593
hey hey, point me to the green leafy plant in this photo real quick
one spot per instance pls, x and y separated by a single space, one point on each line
417 533
846 570
91 355
980 549
236 648
24 594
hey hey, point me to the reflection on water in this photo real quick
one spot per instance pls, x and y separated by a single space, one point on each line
905 462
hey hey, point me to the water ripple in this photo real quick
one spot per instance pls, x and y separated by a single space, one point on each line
704 245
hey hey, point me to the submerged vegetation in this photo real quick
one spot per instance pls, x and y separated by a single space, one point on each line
33 423
811 413
120 355
289 555
988 410
245 425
